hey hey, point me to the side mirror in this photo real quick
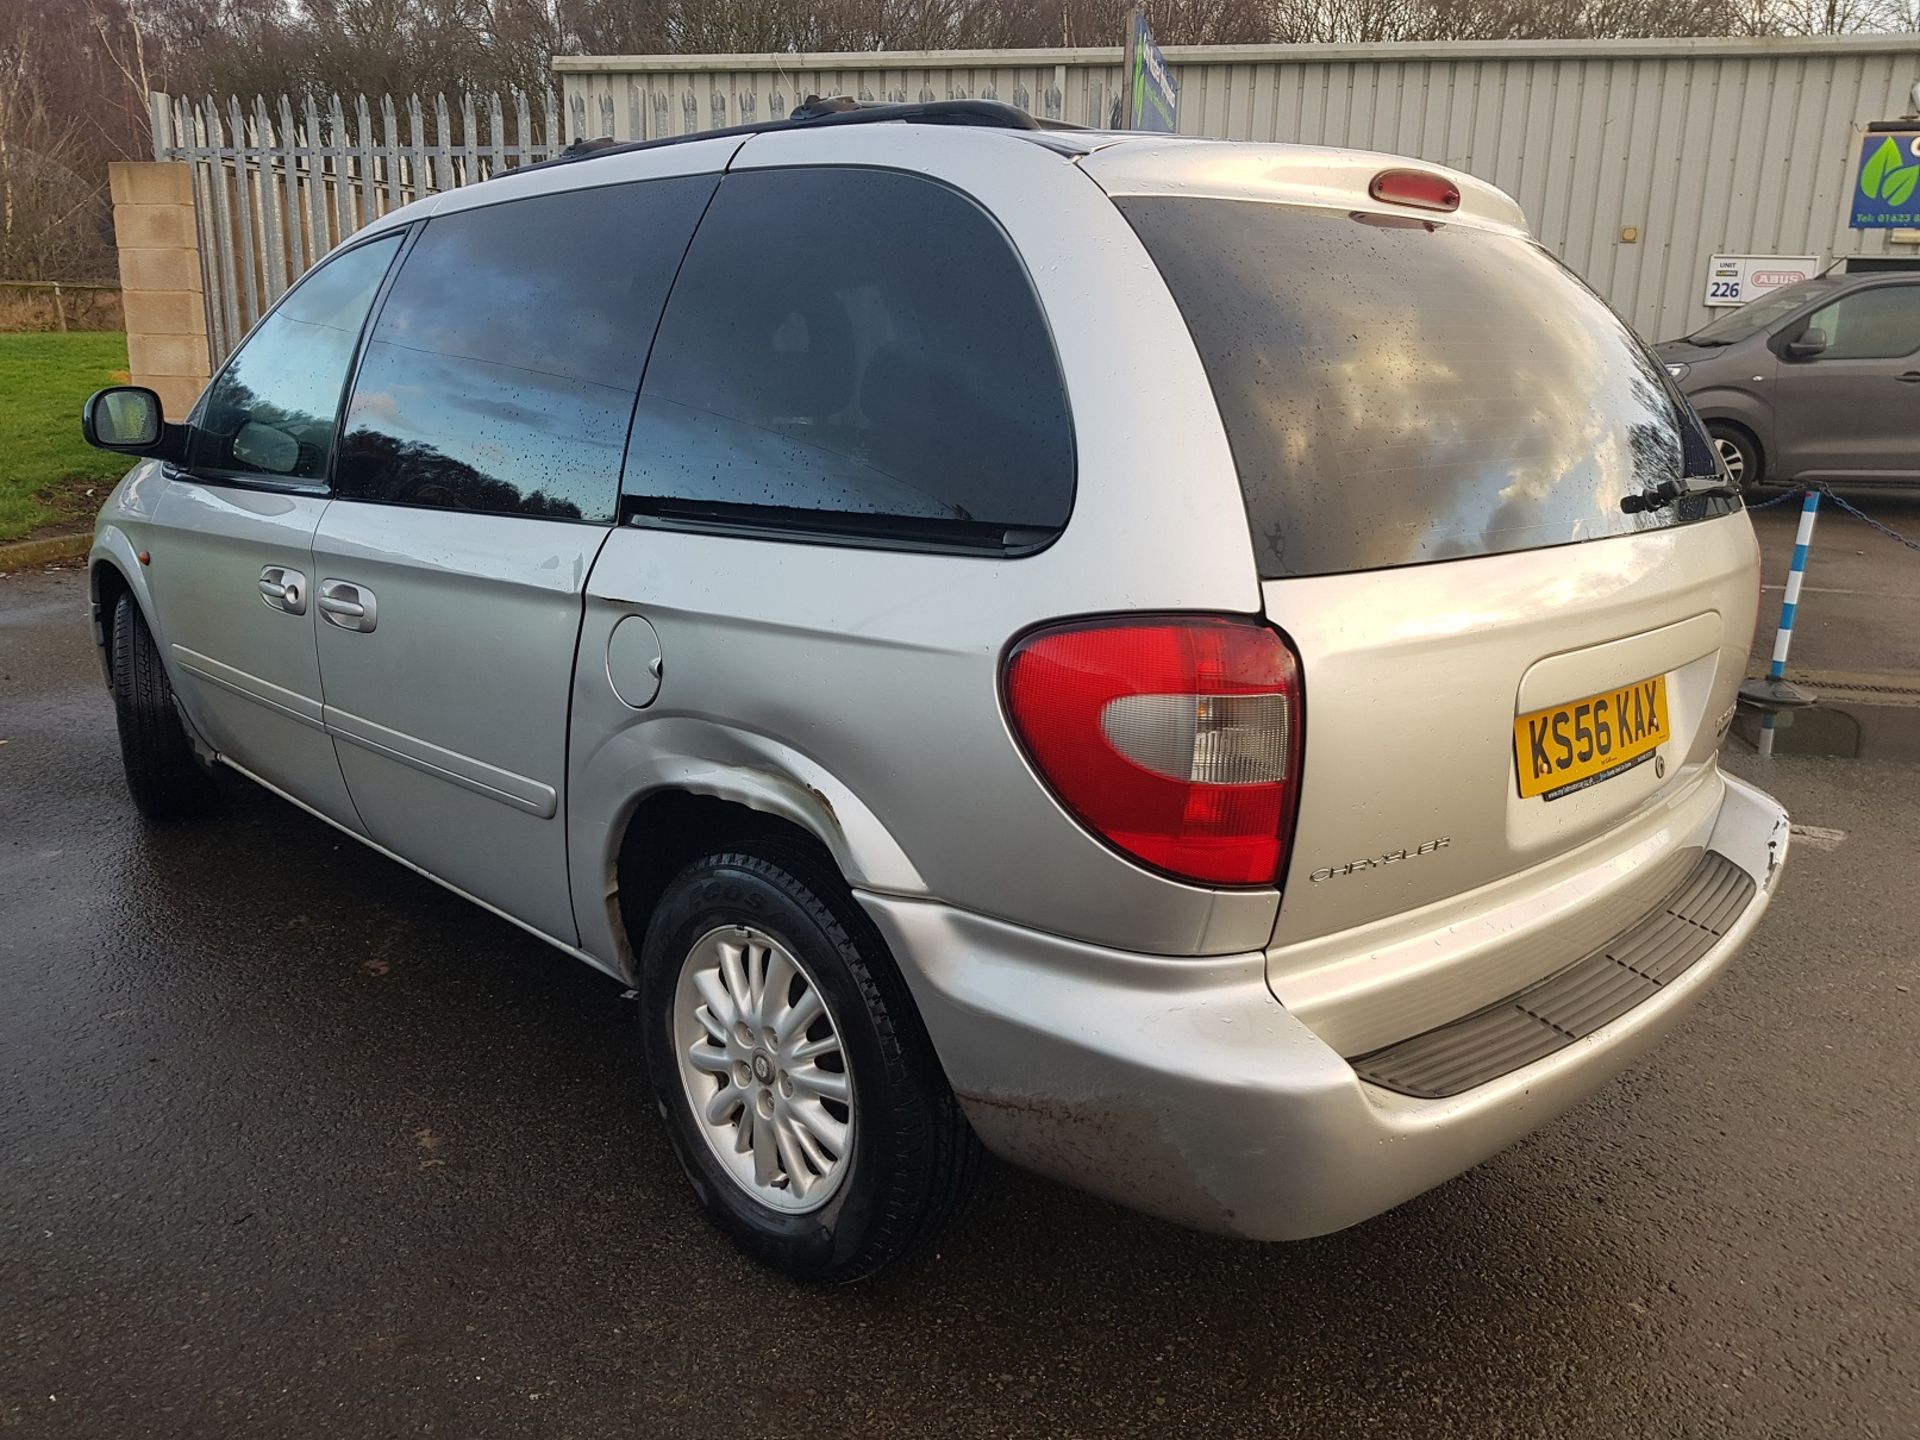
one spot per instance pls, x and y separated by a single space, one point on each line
1811 342
128 419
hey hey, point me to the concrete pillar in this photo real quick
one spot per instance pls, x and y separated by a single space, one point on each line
160 284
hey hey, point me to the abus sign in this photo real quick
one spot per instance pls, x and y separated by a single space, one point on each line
1736 279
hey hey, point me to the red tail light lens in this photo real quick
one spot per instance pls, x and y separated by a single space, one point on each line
1176 741
1420 188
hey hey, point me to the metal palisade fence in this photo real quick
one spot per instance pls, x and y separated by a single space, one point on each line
278 184
1637 161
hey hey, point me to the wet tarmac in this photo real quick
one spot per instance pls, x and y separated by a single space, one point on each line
1833 726
1860 601
293 1143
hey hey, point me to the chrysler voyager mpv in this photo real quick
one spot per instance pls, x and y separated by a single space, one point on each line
1194 667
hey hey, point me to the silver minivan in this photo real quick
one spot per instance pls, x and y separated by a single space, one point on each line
1194 667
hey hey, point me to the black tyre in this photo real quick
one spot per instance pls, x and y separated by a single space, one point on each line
796 1081
1739 454
167 782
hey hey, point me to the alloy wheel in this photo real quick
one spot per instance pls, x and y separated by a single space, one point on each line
1731 457
762 1068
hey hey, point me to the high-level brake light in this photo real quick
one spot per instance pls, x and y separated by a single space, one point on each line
1420 188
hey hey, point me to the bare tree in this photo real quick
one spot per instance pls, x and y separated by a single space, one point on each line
57 130
74 74
1832 17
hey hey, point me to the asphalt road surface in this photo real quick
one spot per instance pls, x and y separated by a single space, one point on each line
1860 599
294 1143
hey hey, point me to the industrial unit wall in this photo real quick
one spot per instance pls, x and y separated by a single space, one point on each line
1636 161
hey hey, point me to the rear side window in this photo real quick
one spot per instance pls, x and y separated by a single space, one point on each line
1402 391
856 354
501 372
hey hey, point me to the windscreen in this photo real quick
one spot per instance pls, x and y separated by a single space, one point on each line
1758 314
1401 391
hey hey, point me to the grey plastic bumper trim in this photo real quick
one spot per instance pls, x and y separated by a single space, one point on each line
1574 1002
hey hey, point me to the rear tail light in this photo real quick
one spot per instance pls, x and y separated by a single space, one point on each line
1176 741
1420 188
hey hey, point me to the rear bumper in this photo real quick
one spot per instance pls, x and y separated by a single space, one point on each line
1184 1089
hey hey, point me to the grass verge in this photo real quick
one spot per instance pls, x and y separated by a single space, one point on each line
49 476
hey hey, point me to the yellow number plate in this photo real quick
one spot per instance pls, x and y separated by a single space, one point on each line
1568 747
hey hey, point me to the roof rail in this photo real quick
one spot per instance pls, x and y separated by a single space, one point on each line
814 113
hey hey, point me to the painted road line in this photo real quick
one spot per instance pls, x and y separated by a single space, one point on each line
1818 836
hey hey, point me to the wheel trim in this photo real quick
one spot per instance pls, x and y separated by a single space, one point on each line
1731 457
762 1069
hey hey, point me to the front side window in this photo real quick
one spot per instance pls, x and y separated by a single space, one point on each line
501 372
1881 323
858 354
273 409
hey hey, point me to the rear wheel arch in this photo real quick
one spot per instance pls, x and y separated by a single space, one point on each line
636 810
670 829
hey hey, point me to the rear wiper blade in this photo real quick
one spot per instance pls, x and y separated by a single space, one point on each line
1668 491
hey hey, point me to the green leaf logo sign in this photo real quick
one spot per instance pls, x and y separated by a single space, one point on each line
1874 173
1884 178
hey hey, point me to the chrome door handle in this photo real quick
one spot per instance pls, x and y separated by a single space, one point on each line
283 589
349 606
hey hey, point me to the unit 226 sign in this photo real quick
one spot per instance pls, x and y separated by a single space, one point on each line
1884 188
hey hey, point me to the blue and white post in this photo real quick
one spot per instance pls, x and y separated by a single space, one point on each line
1776 690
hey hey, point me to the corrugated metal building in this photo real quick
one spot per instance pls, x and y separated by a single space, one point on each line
1690 147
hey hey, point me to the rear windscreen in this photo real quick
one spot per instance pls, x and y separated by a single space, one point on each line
1400 391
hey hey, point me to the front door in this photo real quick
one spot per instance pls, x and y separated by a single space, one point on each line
1852 412
477 480
232 547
